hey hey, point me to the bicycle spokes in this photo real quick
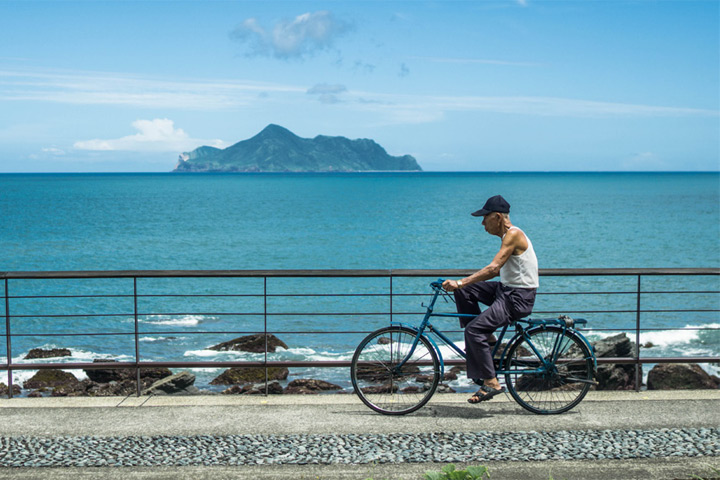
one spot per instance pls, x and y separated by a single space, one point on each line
395 372
548 370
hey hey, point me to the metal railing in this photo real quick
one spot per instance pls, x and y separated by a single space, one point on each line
26 288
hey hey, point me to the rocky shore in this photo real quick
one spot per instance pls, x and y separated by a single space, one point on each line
252 380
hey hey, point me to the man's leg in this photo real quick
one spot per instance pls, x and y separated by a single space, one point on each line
478 334
469 297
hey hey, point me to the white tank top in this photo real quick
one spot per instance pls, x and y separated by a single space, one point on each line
521 271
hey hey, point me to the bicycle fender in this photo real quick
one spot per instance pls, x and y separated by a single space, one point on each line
543 327
590 347
430 339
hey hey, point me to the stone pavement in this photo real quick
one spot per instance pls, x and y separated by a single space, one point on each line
211 421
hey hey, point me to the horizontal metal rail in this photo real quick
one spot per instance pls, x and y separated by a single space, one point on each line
136 314
548 272
305 363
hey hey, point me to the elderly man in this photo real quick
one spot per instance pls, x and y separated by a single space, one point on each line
509 299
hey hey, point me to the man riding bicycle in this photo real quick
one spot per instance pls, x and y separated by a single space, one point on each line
509 299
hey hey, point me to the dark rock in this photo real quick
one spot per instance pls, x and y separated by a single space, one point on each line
78 389
679 376
179 383
113 389
384 341
251 343
309 386
616 377
387 388
444 388
616 346
424 379
620 376
241 375
273 388
378 373
4 389
50 378
107 375
54 352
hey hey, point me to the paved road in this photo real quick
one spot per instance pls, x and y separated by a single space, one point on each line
287 415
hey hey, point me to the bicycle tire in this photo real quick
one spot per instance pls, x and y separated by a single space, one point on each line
558 388
378 382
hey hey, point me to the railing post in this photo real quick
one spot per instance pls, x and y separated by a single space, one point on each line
265 331
137 338
391 298
637 337
7 340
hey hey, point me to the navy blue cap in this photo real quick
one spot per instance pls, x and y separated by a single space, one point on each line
494 204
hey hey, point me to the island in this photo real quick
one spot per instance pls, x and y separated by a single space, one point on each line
277 149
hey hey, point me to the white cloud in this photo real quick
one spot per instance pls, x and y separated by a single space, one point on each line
54 151
470 61
157 135
99 88
327 93
429 108
117 89
296 38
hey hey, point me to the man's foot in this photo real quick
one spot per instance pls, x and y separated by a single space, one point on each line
485 393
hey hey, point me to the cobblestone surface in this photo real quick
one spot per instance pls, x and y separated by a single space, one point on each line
329 449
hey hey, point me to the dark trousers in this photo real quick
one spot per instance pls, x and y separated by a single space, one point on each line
505 305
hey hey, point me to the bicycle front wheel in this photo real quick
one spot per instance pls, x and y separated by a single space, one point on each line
549 370
390 376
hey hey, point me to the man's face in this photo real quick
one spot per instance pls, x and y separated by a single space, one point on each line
491 222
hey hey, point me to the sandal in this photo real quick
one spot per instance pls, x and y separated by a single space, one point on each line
485 393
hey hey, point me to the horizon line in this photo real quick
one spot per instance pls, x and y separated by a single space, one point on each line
355 172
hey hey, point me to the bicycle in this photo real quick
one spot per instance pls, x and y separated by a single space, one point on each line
548 365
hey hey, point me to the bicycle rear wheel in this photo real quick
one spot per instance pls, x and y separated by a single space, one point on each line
554 387
386 384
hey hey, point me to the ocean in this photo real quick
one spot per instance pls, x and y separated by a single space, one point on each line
342 221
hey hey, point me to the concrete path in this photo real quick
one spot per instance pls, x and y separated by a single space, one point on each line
115 417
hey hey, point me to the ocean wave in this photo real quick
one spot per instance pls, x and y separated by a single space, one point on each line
301 354
76 356
179 321
156 339
206 353
663 338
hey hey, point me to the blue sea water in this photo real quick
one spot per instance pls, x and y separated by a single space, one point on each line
340 221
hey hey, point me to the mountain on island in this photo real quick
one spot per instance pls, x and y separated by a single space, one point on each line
277 149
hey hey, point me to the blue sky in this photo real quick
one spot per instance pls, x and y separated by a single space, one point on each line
507 85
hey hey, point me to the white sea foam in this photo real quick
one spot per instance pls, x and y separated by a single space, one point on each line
666 338
156 339
207 353
661 338
179 321
76 356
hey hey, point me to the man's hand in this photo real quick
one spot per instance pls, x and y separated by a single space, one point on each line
450 285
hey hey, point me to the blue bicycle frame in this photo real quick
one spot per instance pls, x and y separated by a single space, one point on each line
564 322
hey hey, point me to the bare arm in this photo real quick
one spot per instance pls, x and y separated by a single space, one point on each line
514 242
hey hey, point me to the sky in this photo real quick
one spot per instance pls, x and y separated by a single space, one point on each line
507 85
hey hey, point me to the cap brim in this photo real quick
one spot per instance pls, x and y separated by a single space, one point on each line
480 213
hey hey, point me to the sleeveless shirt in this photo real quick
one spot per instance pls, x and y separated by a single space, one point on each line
521 271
